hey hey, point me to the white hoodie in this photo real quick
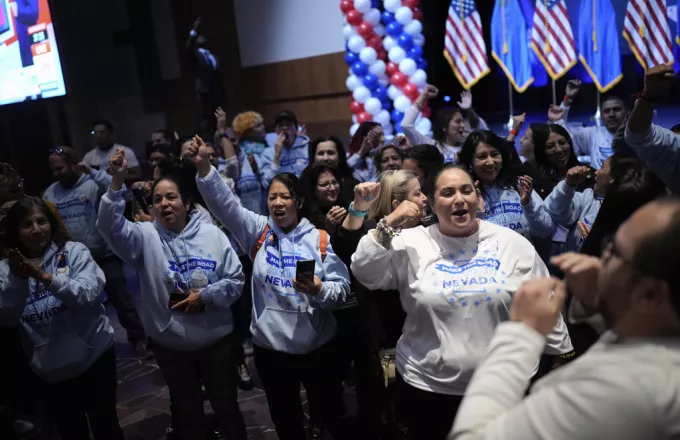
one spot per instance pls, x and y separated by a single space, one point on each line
618 390
455 291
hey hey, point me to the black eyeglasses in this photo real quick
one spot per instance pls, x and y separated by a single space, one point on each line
610 249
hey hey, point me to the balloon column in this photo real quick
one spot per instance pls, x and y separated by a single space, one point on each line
406 65
366 57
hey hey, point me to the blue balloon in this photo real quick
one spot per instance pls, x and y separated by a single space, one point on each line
415 53
397 128
386 104
421 63
394 29
359 68
387 17
405 41
376 4
351 58
397 116
379 92
371 82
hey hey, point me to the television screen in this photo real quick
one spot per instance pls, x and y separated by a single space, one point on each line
29 58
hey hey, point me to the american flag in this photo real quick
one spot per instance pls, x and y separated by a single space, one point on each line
464 45
647 32
551 37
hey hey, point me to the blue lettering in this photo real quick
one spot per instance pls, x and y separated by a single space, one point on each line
478 262
278 282
468 282
515 226
192 264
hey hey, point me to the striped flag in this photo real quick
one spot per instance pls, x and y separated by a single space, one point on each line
551 37
464 45
647 32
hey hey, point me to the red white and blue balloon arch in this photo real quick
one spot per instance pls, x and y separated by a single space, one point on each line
384 41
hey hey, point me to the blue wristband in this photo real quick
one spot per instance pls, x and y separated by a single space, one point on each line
353 212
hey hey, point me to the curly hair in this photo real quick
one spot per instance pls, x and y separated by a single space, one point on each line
245 121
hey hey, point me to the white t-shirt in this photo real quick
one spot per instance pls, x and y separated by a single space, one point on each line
455 292
100 159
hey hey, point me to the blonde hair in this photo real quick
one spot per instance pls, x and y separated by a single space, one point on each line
245 121
393 186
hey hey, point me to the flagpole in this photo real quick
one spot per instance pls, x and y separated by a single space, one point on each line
554 90
512 111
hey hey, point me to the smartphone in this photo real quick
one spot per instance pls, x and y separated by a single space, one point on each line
141 201
304 270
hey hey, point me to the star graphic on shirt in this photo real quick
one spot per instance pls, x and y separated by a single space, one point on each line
498 291
181 247
477 302
488 298
210 256
452 300
463 303
200 251
474 251
502 281
299 301
452 256
502 272
270 295
441 292
462 252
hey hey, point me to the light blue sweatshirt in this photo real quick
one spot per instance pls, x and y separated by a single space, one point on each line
367 174
78 207
595 142
659 149
566 207
64 328
252 186
165 261
502 206
294 159
283 319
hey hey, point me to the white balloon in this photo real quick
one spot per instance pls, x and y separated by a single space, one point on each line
392 5
419 39
377 68
424 126
361 94
404 15
355 120
384 81
379 30
373 106
408 67
393 92
353 82
372 16
348 31
353 129
356 43
402 103
419 77
396 55
415 27
389 43
362 6
382 118
368 55
388 130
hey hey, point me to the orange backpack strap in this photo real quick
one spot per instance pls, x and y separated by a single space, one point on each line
323 244
258 244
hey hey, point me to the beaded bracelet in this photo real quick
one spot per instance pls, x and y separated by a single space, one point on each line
384 228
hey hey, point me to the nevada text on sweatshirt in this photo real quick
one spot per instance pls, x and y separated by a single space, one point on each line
63 327
165 261
283 319
455 292
502 206
78 207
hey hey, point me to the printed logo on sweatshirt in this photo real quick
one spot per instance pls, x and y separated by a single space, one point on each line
41 307
191 264
464 266
288 261
82 201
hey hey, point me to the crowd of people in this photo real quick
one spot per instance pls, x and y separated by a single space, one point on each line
465 287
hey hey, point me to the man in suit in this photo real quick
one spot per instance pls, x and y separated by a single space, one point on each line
209 87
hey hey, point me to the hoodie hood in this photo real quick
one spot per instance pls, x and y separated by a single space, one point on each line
294 159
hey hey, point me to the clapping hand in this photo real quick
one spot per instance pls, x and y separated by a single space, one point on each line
526 189
336 215
21 267
577 175
370 142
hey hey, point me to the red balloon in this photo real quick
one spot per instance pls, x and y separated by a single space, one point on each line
417 14
365 29
399 79
346 6
363 117
382 54
410 90
375 42
410 3
391 68
354 17
356 107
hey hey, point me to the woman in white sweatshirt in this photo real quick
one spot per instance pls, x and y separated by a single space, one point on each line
455 280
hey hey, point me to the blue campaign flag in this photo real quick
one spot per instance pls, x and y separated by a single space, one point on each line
598 43
509 43
537 70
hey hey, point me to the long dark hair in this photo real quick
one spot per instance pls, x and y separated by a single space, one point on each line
18 213
310 178
546 169
183 174
507 176
633 186
377 161
441 122
360 135
296 189
343 167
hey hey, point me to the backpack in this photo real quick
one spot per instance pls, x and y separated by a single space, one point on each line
323 243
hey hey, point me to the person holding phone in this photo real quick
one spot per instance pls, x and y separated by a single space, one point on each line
190 276
292 326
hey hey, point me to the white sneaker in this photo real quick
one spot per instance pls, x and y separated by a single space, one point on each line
245 382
